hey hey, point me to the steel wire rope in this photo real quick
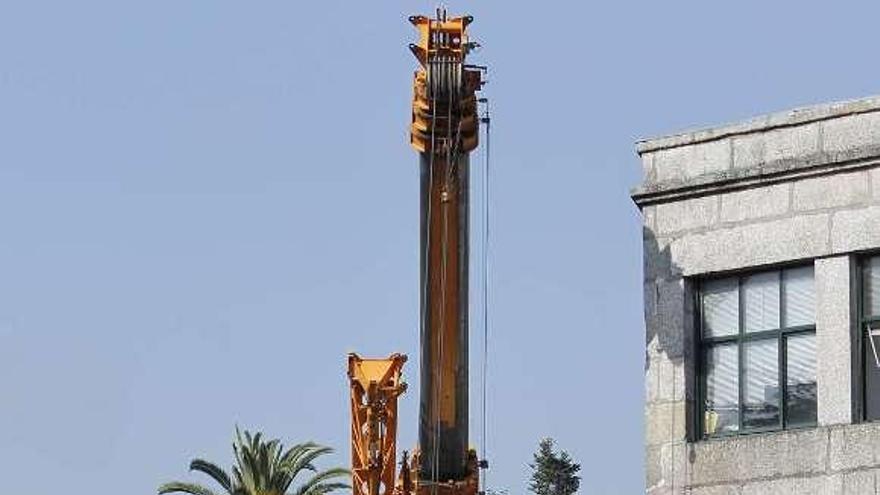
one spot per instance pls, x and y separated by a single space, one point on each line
426 262
452 155
454 146
435 444
453 151
436 86
485 266
444 256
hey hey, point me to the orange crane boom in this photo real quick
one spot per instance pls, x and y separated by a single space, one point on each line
444 130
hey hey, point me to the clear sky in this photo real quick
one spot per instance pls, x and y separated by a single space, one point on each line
205 205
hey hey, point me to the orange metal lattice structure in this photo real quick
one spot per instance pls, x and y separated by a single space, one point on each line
375 386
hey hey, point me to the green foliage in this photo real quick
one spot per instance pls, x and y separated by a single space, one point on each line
552 473
265 468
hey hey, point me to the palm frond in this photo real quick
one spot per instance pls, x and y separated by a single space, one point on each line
236 473
181 487
296 451
248 469
212 470
323 488
304 462
318 484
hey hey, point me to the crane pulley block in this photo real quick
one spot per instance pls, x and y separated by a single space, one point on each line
444 110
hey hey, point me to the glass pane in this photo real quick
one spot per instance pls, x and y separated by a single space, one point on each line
800 392
722 390
799 296
720 307
871 286
760 407
761 301
872 376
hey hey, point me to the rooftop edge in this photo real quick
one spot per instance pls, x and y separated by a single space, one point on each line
785 118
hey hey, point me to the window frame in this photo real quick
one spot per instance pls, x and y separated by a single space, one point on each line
860 337
780 335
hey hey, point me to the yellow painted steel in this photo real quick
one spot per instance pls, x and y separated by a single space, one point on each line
444 126
443 120
375 386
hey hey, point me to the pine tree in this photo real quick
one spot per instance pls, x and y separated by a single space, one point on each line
552 473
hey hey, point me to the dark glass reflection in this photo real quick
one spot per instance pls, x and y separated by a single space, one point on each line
722 390
800 387
760 408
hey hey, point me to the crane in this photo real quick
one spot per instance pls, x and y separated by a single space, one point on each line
444 130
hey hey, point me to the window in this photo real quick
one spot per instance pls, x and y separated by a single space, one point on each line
870 326
758 351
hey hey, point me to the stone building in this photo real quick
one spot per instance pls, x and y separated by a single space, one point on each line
762 295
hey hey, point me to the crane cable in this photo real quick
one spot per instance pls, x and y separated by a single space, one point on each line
452 155
435 447
426 262
453 152
485 119
444 232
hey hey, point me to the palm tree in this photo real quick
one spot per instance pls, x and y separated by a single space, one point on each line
265 468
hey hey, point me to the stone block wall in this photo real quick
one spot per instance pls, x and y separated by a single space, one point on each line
795 186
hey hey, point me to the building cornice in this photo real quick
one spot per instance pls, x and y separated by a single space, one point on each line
768 174
777 120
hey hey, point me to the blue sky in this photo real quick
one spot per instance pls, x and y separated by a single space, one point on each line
205 205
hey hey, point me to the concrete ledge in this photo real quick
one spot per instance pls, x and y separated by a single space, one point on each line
825 139
734 179
825 485
759 457
787 118
835 460
717 490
